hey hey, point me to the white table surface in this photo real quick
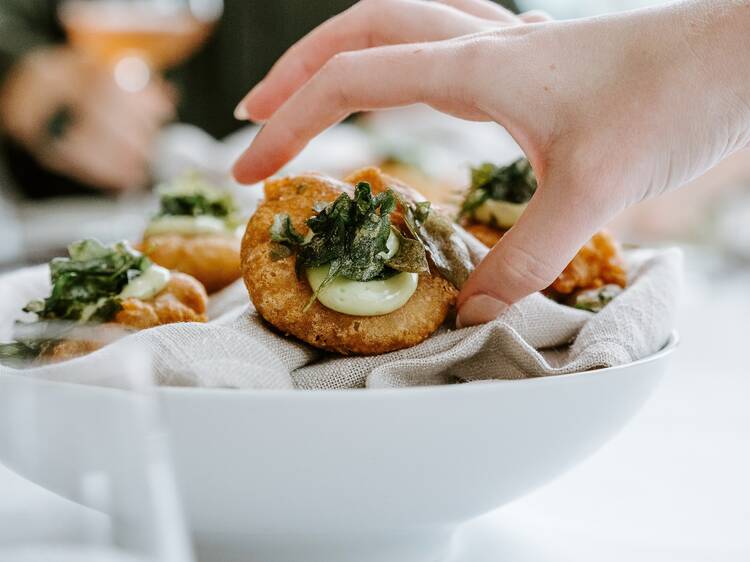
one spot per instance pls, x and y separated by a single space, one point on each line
673 486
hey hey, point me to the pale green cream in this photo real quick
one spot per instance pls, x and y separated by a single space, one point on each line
189 226
500 213
363 298
148 284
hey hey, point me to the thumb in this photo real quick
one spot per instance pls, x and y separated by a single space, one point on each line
559 220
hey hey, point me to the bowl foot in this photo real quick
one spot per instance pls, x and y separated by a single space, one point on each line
416 546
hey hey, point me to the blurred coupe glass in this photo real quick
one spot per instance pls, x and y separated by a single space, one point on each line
138 37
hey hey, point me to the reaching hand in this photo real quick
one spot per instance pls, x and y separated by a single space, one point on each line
608 110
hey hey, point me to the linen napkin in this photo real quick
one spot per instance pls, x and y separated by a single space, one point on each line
535 337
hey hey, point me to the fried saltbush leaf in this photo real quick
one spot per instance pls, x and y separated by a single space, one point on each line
447 251
350 236
86 285
514 183
437 234
411 254
19 354
594 300
191 195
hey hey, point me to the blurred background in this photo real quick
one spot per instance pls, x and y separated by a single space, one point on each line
100 100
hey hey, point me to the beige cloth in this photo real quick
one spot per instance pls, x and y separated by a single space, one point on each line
535 337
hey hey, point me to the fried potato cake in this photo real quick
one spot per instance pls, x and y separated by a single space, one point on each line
280 295
598 263
183 300
70 349
213 259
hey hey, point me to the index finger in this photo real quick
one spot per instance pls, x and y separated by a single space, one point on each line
344 85
365 25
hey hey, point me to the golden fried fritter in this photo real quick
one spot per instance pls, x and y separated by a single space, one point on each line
213 259
280 295
292 195
183 300
70 349
597 264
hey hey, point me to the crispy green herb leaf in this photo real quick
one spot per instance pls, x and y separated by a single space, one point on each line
437 234
411 255
414 215
280 251
282 231
85 286
19 354
447 251
350 235
85 290
514 183
421 211
191 195
594 300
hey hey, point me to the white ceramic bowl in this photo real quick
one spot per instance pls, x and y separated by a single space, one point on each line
375 475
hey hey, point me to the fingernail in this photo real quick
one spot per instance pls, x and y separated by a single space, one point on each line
479 309
240 113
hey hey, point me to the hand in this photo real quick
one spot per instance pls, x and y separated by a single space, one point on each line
609 110
108 140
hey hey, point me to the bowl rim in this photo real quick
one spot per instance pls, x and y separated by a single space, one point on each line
668 348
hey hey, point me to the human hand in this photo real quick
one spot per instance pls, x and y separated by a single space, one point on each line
608 110
106 134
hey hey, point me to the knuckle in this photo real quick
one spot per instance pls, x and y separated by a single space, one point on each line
468 62
334 75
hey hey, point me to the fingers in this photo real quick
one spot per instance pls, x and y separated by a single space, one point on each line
535 16
405 74
157 102
103 165
367 24
111 139
483 9
556 224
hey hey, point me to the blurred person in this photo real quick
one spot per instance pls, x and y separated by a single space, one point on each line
68 127
609 110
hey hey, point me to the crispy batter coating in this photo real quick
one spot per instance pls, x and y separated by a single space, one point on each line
213 259
183 300
294 196
70 349
598 263
280 296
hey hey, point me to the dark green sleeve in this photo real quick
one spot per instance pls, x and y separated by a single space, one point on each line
24 25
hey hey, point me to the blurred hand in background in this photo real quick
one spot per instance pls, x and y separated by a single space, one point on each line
70 115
